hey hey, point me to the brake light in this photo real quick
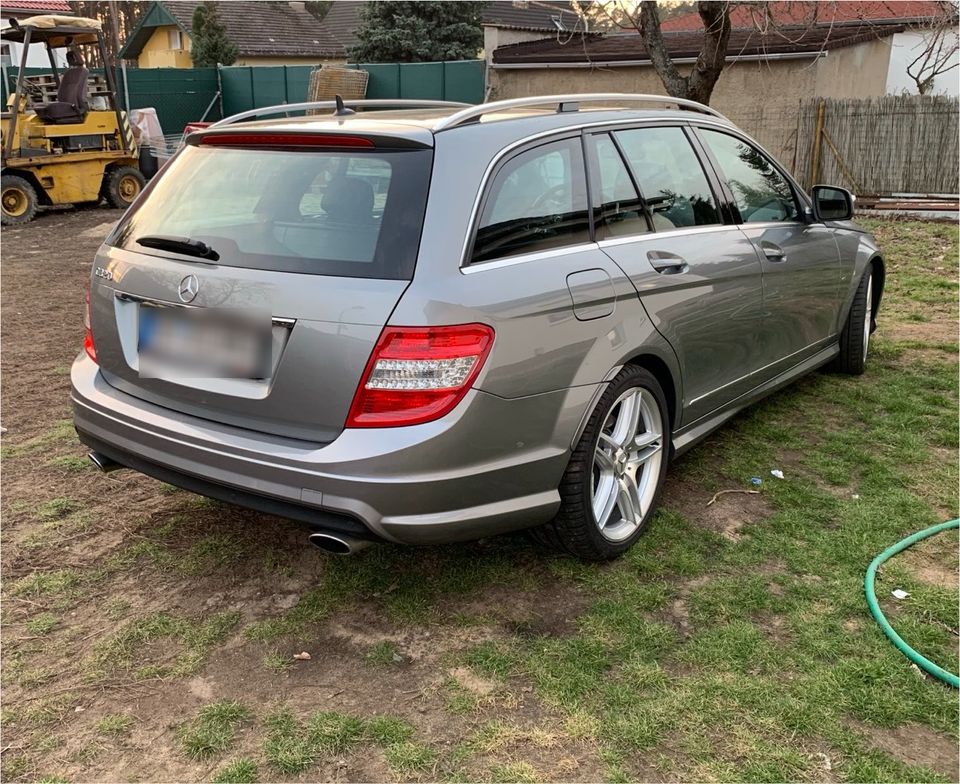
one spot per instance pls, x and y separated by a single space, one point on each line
418 374
283 140
88 344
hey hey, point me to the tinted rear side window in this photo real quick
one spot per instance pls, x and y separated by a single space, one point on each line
670 177
538 201
351 213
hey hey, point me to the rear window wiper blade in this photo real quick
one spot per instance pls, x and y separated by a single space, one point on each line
183 245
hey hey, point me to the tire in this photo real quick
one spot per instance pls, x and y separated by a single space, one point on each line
19 199
855 336
575 529
122 185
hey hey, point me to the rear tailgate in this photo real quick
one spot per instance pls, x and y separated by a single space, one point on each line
313 244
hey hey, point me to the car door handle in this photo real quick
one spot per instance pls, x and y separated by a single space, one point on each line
773 252
667 263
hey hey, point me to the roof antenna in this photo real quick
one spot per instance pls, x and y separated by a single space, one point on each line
342 111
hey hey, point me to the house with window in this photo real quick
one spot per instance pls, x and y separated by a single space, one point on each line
11 51
264 34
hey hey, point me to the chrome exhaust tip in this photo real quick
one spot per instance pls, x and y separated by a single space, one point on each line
104 463
337 544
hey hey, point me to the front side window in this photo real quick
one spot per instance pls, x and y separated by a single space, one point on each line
618 209
760 192
538 201
174 40
670 177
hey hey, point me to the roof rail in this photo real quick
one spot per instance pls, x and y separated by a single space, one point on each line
363 103
567 103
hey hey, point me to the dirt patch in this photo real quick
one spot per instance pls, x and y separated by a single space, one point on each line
935 560
728 515
917 744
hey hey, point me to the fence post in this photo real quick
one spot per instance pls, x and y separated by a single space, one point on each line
817 140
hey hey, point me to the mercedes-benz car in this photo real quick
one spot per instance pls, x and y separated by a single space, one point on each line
427 322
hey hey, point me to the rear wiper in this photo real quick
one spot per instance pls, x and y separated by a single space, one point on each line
183 245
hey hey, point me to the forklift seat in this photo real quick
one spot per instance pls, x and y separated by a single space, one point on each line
71 103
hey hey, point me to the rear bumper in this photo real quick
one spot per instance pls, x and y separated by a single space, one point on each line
492 465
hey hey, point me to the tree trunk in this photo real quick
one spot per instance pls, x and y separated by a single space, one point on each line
698 86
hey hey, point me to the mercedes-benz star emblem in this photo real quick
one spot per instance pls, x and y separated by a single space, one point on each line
189 287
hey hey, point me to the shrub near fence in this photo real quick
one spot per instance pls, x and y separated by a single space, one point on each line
879 146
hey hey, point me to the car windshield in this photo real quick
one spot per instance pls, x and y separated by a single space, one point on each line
350 213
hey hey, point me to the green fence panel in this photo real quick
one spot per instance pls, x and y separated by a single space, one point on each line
421 80
463 80
298 82
456 80
237 89
383 81
269 85
180 95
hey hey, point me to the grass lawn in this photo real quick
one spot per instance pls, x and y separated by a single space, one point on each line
150 634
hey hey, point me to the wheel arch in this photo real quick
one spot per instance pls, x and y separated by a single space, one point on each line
30 177
879 267
661 371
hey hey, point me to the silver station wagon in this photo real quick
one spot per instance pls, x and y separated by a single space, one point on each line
425 322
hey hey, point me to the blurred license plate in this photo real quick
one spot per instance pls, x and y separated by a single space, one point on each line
203 343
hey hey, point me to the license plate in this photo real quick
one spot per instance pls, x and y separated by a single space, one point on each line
203 343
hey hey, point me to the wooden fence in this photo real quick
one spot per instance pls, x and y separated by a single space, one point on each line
880 146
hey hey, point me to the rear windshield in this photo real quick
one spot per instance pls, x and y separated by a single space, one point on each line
353 213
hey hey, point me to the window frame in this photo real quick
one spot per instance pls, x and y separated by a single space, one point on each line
592 161
489 180
804 214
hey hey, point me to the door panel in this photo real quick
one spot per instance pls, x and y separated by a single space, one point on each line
800 290
800 262
698 280
708 305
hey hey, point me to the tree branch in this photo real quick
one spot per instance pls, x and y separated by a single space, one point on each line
677 84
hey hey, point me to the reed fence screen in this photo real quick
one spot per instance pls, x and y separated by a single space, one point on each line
895 144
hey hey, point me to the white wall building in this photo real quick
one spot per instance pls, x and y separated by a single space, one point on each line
905 48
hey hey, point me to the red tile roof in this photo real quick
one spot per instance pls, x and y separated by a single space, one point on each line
796 12
36 5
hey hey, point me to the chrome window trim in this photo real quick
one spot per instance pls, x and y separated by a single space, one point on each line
771 224
557 134
523 258
681 232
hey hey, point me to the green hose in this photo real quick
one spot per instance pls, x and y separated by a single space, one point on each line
921 661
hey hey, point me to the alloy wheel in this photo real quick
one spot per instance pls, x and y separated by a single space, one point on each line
626 464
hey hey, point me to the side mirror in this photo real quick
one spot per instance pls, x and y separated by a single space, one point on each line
832 204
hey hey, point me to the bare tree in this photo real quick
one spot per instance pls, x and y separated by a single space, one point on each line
645 18
940 49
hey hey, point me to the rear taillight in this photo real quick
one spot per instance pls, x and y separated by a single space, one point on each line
88 344
417 374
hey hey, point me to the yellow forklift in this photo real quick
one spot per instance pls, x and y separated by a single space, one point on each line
62 144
